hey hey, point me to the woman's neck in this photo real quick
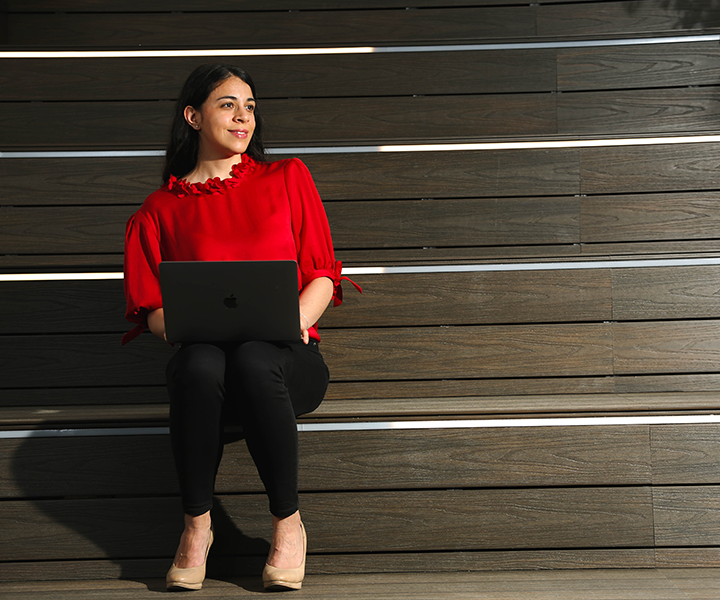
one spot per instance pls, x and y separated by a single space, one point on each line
210 169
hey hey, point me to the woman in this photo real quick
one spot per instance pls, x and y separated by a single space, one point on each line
222 201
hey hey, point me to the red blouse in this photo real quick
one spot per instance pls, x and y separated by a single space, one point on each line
264 211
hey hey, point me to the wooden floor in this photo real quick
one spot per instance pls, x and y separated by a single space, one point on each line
615 584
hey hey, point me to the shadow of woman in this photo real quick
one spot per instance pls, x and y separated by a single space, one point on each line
100 504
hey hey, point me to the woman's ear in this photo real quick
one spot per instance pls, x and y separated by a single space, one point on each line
192 117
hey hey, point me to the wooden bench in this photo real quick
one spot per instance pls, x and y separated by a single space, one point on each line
501 309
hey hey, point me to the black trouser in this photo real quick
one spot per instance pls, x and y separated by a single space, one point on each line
262 386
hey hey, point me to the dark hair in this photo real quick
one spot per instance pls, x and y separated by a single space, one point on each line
182 149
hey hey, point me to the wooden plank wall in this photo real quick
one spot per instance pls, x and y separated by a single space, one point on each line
415 346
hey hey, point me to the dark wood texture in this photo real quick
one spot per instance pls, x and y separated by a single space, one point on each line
685 454
625 18
393 74
686 516
372 521
622 67
345 121
238 5
650 217
334 461
295 121
279 29
388 300
667 347
665 293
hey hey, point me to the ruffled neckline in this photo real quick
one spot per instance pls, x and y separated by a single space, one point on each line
239 171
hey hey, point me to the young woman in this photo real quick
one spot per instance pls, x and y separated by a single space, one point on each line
222 201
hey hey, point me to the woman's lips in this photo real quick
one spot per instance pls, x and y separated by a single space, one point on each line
239 133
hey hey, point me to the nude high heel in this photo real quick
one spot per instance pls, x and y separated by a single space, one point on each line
286 578
190 578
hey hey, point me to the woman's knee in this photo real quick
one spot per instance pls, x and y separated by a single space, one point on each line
196 365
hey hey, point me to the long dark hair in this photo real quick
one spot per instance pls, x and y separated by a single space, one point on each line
182 149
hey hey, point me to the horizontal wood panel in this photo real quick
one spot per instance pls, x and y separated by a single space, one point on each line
684 454
420 230
658 168
360 460
467 352
666 293
91 408
650 217
362 522
237 5
681 110
667 347
399 353
625 17
398 175
123 572
278 29
291 121
362 354
378 120
687 516
387 300
468 72
454 222
622 67
325 76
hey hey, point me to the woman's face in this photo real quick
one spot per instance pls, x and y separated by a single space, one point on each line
225 121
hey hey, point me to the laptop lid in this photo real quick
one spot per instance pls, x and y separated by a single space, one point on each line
221 301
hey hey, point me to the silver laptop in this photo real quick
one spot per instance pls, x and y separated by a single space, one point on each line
222 301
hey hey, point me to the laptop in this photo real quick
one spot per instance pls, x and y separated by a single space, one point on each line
223 301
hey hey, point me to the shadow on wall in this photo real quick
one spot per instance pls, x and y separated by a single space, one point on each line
692 14
108 507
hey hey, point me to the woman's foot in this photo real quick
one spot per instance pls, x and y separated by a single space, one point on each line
194 542
188 569
285 566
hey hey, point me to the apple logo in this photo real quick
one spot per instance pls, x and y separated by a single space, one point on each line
230 302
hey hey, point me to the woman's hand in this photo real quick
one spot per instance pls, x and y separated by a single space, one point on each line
156 323
313 301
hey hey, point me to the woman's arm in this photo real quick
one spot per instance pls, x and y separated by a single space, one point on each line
314 299
156 323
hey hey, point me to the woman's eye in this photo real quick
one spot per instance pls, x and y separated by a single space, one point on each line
228 105
250 107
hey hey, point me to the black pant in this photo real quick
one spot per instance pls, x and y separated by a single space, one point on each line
263 386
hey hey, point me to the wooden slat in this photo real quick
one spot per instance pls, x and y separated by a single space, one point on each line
90 409
121 572
462 222
683 110
596 517
339 176
348 460
622 67
388 300
665 293
649 217
624 18
325 76
293 121
275 29
397 175
235 5
685 454
667 347
467 352
687 515
658 168
375 354
379 121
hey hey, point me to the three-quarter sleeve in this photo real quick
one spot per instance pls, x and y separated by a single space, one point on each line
141 272
316 257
